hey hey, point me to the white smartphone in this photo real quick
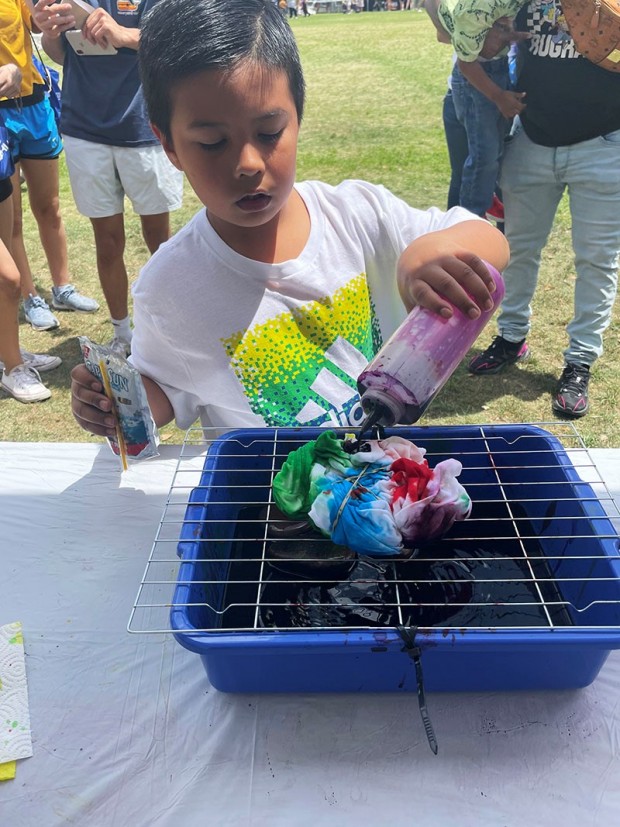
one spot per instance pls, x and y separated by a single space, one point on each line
84 47
81 10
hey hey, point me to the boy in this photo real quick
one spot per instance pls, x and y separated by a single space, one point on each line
481 33
266 307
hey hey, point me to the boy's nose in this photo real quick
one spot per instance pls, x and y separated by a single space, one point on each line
250 160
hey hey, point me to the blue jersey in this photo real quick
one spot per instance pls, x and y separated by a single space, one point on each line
102 98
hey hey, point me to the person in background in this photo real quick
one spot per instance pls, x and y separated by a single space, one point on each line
18 369
567 139
110 148
481 32
36 146
281 292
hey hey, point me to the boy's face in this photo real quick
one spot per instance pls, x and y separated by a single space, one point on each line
234 135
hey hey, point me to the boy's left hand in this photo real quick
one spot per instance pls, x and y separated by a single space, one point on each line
443 269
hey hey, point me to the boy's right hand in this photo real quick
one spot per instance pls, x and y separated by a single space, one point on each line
90 406
510 103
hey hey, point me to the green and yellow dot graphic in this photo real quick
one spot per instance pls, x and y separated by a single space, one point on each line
277 362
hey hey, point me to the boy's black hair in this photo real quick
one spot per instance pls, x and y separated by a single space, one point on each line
179 38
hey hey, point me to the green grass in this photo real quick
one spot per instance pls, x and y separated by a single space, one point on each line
375 88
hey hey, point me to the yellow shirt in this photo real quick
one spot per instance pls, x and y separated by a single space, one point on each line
15 43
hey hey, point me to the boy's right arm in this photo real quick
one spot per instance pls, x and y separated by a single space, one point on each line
93 410
431 7
509 103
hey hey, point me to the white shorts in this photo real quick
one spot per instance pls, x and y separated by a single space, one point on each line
101 176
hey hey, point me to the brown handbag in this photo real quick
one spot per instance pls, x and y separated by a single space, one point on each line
594 25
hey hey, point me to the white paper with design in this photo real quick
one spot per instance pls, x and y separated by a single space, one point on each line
15 741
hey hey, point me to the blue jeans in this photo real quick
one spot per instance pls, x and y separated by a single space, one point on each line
486 129
458 148
533 179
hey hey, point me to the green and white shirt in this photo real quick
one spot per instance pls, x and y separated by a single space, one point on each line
468 22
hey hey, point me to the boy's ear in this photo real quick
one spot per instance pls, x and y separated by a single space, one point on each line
167 145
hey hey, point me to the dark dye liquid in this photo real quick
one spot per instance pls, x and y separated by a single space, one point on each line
455 583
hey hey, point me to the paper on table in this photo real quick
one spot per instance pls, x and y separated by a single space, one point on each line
15 741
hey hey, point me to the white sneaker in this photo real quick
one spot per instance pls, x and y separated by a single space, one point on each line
24 383
38 361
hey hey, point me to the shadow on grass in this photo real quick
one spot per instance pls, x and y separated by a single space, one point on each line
468 394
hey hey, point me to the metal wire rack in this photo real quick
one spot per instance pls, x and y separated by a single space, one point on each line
539 552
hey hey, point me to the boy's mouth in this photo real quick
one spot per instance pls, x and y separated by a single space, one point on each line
255 202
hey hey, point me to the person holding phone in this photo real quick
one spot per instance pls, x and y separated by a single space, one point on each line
110 147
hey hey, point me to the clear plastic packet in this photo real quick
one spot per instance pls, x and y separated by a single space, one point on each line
138 433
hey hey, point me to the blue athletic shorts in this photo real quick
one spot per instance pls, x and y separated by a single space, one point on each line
33 130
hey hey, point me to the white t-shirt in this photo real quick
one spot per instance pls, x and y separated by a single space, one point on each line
239 342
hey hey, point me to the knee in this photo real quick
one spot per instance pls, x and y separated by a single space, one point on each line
47 213
110 247
10 287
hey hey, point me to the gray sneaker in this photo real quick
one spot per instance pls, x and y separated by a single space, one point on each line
24 384
38 313
39 361
68 298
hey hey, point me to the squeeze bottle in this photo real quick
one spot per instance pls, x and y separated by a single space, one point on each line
417 360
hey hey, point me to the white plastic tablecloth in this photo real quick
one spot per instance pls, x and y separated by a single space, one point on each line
127 731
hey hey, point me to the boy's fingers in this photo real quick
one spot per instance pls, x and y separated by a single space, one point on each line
475 278
464 282
91 419
91 409
425 296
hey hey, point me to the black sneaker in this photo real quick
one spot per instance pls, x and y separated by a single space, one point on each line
499 354
571 396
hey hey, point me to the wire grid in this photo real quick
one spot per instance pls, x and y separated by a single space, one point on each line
230 596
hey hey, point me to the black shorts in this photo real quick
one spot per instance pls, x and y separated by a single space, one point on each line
6 189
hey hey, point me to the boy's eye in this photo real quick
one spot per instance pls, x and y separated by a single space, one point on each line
271 137
211 147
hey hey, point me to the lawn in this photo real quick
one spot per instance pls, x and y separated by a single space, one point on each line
375 87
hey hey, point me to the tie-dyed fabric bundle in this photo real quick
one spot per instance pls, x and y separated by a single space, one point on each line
379 501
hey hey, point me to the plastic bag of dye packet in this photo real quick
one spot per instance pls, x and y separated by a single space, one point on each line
134 415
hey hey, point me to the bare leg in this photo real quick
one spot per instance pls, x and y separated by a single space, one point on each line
18 250
9 292
110 246
155 230
42 179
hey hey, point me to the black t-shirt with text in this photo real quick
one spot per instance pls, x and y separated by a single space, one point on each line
568 98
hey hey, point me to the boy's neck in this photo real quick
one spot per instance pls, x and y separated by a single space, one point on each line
282 239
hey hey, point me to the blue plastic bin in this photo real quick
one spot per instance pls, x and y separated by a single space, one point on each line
502 463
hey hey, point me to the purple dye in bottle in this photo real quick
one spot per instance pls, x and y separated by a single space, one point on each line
418 359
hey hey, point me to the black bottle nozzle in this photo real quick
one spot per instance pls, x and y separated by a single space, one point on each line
373 418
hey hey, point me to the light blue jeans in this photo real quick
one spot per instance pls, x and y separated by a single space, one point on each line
533 179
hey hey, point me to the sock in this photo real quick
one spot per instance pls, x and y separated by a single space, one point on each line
122 328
